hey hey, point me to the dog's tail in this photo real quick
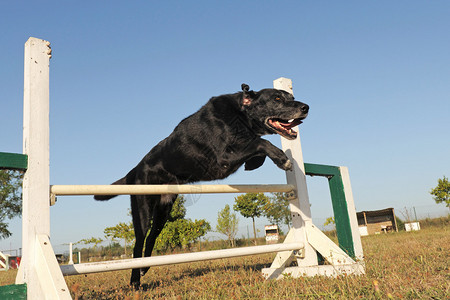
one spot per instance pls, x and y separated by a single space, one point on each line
107 197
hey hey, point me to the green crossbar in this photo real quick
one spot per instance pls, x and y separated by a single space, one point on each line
341 215
13 161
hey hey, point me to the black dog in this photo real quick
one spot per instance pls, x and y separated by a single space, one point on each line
210 144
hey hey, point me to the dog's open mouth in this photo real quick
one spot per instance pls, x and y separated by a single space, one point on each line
284 127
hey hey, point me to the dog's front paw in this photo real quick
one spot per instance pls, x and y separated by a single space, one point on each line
287 166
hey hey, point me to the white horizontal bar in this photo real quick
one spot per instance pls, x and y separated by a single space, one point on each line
154 189
143 262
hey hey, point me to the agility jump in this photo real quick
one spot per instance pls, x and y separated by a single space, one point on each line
44 277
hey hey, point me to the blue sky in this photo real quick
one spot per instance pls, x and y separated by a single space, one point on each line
376 75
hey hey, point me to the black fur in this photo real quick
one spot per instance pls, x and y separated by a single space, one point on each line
211 144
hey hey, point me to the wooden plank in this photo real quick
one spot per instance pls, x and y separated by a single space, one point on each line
326 247
320 170
341 214
36 193
341 209
357 245
299 207
13 292
13 161
51 279
321 270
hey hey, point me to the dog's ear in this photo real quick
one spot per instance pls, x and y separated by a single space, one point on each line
247 96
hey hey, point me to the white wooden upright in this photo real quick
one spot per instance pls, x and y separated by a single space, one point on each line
303 229
299 205
39 268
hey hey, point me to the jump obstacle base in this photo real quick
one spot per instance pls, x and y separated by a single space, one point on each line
44 277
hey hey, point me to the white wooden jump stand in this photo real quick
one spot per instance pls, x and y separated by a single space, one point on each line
44 277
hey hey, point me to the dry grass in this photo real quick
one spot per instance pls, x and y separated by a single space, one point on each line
403 265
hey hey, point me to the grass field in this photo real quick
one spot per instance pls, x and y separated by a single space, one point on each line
404 265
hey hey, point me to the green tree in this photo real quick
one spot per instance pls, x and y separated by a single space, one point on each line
123 231
400 223
178 209
441 193
89 241
10 198
329 221
179 231
251 205
227 223
277 209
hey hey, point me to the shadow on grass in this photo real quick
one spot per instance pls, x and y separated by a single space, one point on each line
202 271
149 286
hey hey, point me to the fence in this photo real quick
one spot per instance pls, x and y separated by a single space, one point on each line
420 212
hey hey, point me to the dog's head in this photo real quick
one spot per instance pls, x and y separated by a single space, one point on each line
274 111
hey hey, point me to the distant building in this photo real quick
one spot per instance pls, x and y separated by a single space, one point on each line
272 234
412 226
376 221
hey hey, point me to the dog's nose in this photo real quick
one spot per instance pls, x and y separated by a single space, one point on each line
304 108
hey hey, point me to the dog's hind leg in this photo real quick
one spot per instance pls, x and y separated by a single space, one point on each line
141 210
161 213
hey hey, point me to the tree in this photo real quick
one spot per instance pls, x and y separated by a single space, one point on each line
123 231
178 231
329 221
441 193
400 223
277 209
227 223
10 198
251 205
178 209
91 240
88 241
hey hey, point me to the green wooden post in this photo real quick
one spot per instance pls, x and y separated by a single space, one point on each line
340 209
341 215
13 292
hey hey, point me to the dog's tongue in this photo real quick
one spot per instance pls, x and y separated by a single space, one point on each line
289 124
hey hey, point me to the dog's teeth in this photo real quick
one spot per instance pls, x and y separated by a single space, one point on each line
291 120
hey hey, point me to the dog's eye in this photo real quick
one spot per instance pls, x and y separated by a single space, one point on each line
278 98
